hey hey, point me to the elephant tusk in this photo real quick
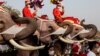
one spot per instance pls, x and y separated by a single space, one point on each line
25 47
78 25
26 44
69 40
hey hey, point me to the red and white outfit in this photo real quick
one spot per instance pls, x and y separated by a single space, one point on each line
58 14
27 12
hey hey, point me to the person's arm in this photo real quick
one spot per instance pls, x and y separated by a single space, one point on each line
34 13
62 10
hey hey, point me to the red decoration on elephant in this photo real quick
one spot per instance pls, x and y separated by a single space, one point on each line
44 17
1 3
72 19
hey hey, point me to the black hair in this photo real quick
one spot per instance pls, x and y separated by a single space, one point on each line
92 45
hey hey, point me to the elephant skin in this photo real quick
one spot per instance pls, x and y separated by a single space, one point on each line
92 30
27 33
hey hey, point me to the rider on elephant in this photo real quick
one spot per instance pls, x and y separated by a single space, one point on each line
58 12
27 12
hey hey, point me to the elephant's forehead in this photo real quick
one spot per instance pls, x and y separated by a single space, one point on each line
6 18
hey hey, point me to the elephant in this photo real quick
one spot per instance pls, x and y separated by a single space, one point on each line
76 30
25 36
80 34
92 30
87 31
52 39
7 21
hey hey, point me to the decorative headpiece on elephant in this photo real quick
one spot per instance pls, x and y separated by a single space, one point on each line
38 3
56 1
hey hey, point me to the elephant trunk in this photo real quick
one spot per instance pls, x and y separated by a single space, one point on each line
9 21
69 28
92 30
68 31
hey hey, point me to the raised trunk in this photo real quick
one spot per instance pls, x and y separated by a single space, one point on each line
92 30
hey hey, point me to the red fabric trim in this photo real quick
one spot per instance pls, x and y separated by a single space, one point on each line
1 3
75 20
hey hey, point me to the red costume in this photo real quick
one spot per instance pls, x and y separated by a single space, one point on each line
75 50
58 14
27 13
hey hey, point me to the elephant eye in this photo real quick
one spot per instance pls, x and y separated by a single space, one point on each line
76 29
1 24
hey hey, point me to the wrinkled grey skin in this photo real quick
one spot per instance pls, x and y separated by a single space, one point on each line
59 46
92 30
30 29
6 21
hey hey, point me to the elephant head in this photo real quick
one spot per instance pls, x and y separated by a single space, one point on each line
91 28
71 29
7 20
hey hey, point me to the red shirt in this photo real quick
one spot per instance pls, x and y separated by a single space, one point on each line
27 13
58 14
